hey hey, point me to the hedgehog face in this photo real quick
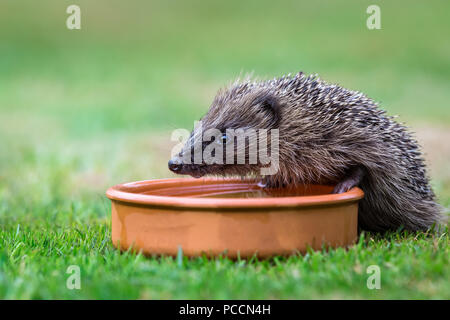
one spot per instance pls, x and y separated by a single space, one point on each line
227 140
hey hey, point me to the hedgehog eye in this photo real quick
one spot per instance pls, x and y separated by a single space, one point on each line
224 138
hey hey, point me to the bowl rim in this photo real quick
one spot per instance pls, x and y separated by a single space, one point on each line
116 193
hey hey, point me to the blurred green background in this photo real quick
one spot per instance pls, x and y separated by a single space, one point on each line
81 110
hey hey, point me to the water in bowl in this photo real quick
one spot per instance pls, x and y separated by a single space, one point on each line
241 190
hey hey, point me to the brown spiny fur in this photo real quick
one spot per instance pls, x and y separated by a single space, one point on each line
325 131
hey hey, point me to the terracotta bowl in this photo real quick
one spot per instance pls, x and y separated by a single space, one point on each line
230 217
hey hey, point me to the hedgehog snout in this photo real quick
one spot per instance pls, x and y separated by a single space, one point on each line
177 166
174 166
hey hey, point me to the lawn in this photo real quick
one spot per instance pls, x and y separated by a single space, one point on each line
81 110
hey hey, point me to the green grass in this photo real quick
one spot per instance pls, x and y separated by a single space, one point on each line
83 110
36 260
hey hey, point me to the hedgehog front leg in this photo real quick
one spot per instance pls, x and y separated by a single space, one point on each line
353 179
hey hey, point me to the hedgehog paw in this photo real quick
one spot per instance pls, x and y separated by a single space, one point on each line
344 186
352 180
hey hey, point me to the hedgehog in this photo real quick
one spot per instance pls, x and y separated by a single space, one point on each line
327 135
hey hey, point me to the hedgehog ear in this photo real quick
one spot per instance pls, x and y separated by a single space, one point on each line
269 104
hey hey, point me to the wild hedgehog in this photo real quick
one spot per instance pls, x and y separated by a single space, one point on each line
327 135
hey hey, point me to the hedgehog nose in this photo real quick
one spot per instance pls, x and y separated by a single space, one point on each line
174 166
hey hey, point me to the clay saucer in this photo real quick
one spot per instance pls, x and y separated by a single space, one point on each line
230 217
